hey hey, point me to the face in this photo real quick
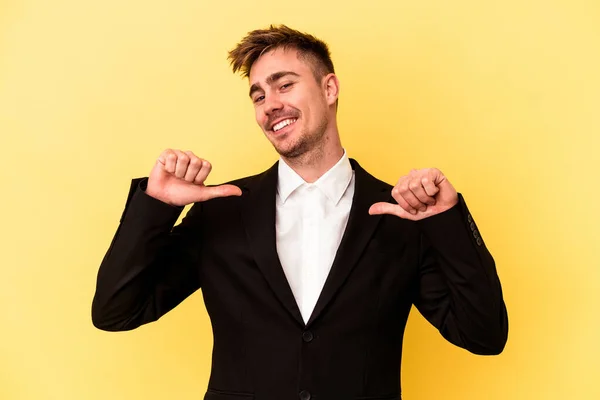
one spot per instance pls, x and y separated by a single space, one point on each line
293 109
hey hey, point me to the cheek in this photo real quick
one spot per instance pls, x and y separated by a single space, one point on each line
259 116
315 106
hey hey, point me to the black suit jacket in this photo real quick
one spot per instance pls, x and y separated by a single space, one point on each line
352 345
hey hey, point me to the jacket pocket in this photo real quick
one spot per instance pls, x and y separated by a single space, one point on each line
212 394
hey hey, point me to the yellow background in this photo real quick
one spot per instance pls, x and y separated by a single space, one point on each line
501 96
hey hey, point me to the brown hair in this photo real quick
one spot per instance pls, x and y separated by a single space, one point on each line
259 41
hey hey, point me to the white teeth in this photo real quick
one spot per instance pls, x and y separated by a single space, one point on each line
283 124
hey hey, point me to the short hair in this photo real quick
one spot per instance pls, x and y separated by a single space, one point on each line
260 41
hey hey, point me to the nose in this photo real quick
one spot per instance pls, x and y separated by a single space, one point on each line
272 104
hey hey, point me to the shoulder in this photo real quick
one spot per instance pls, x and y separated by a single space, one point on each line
368 179
248 181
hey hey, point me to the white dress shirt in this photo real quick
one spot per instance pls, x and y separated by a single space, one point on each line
310 221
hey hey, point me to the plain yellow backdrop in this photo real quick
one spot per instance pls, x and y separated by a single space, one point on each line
503 97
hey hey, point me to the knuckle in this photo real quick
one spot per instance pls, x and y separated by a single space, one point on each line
195 162
404 204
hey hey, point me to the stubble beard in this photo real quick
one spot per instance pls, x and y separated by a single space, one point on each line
306 144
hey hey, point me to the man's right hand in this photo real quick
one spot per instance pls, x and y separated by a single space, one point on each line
178 179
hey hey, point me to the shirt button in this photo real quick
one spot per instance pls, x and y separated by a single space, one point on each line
305 395
307 336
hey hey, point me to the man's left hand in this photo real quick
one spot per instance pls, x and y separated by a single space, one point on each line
420 194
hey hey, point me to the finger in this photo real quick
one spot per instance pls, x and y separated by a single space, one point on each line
387 208
403 203
162 158
203 173
436 176
193 168
183 160
403 192
169 159
212 192
429 185
416 187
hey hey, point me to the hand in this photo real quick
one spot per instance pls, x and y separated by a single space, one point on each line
420 194
178 179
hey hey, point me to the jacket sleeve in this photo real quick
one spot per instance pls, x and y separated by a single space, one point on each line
150 266
459 290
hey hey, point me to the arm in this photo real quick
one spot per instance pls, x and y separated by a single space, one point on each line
150 267
459 290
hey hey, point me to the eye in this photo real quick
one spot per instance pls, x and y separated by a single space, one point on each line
259 99
286 85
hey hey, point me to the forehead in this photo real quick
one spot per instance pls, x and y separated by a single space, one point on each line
275 61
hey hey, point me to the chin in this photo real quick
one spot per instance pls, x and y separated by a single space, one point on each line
284 145
296 150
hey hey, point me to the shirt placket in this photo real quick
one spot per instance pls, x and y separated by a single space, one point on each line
310 238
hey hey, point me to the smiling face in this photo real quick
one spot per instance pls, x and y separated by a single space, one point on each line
295 111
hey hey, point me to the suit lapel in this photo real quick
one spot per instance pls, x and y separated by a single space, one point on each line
360 228
258 212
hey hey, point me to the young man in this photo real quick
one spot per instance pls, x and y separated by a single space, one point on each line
309 269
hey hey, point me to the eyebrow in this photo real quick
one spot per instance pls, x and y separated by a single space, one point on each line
272 78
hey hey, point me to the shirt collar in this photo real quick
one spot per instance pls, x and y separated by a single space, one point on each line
333 183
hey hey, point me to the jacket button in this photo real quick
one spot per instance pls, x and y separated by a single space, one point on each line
307 336
479 241
305 395
472 226
469 218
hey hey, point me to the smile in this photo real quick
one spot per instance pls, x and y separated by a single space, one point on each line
283 124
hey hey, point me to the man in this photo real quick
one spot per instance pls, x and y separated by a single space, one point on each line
309 269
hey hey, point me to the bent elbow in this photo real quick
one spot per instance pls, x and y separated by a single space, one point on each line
100 321
493 344
103 320
491 349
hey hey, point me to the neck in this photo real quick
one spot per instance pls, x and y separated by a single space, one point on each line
316 162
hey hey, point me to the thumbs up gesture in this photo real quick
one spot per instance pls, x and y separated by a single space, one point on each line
177 178
420 194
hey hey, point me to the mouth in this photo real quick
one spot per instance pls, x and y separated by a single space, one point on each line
283 125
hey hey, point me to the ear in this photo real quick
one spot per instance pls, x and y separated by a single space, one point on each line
331 86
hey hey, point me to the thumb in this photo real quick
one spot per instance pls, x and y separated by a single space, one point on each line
212 192
387 208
